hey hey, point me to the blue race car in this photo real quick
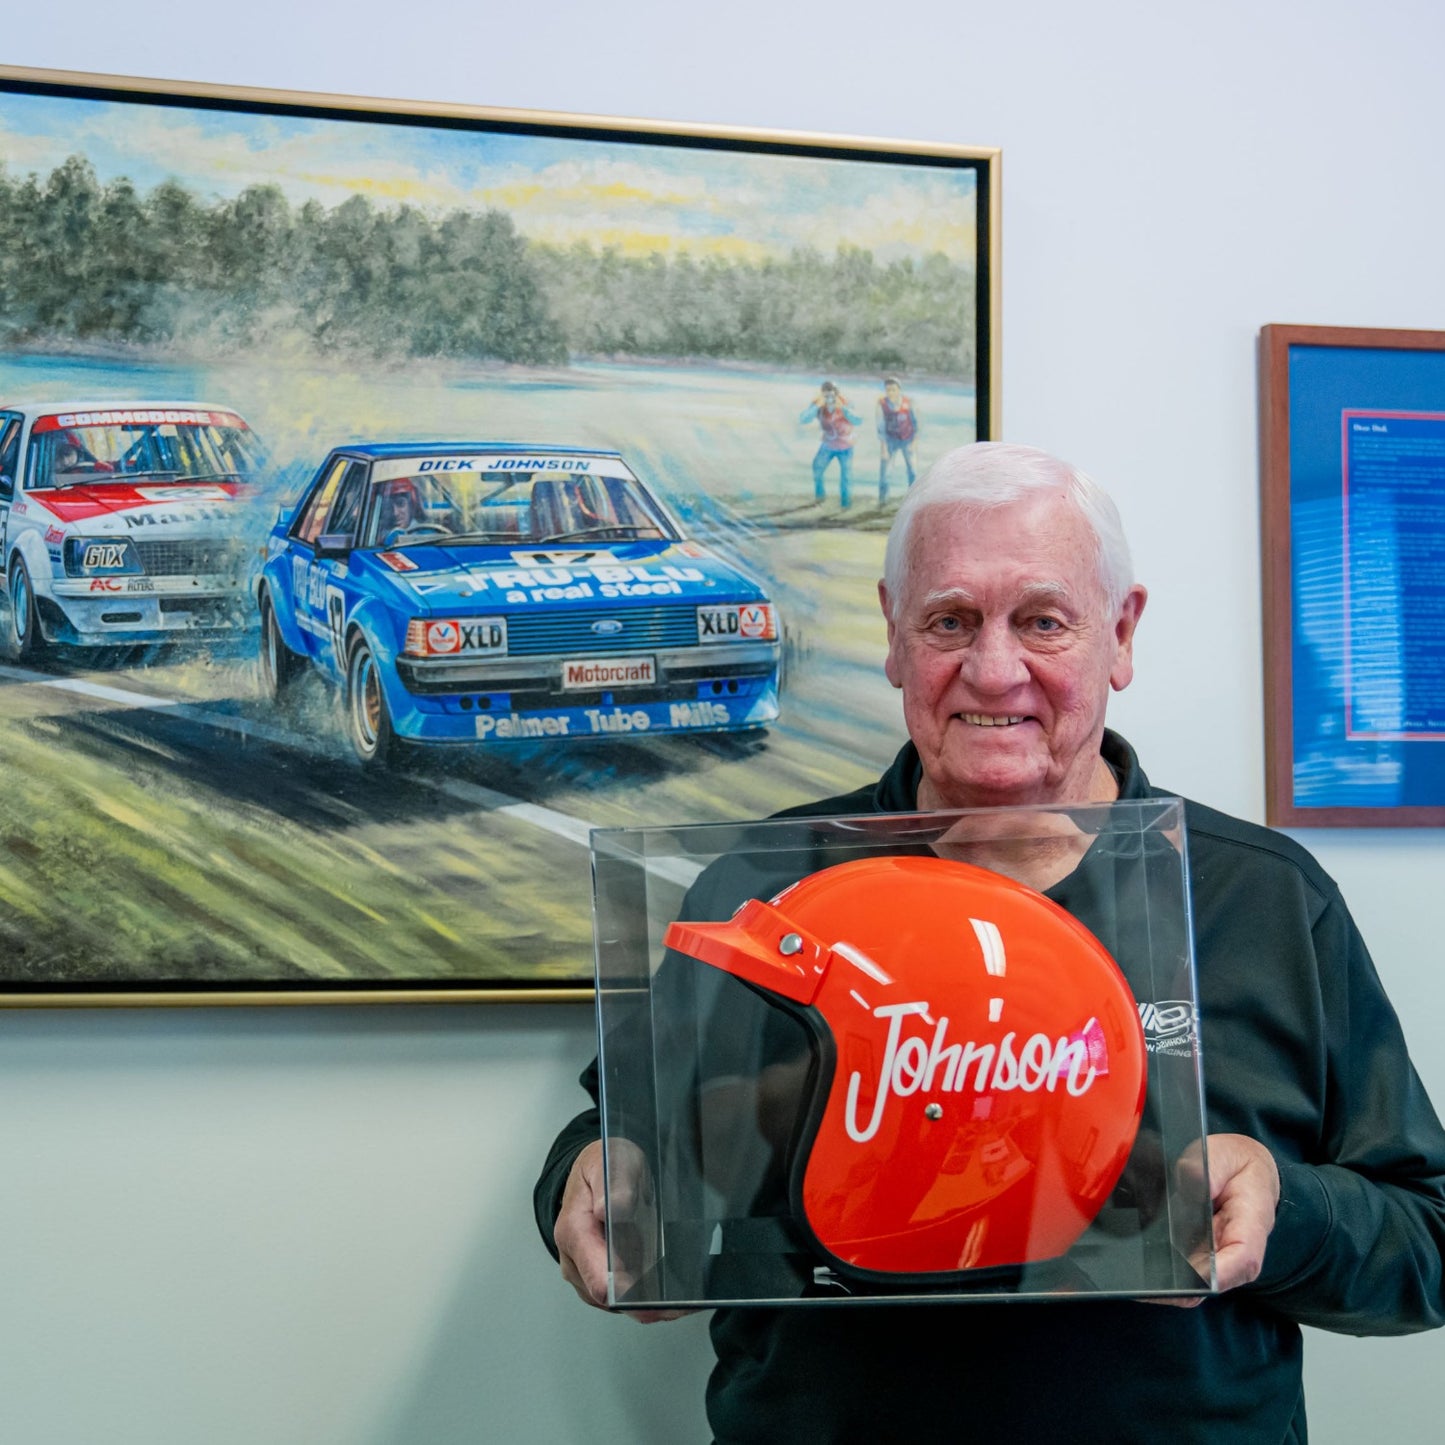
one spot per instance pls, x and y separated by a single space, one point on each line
498 593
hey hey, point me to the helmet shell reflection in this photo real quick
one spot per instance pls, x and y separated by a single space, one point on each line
981 1068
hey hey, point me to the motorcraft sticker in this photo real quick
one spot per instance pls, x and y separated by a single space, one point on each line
608 672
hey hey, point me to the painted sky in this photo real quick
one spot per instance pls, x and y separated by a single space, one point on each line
640 198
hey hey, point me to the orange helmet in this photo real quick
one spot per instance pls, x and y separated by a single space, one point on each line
981 1065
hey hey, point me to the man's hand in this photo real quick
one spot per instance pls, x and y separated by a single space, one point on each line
581 1229
1243 1190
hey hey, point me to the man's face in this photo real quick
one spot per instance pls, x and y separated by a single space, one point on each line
893 392
830 399
1005 654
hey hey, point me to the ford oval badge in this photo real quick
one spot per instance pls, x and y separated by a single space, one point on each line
608 627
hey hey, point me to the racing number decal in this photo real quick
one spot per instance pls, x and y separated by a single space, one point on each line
336 619
320 606
316 589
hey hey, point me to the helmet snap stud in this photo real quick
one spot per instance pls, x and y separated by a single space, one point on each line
933 1111
790 943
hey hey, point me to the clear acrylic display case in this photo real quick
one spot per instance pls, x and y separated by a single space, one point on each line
762 1146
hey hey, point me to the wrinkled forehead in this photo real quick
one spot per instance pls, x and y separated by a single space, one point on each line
1038 548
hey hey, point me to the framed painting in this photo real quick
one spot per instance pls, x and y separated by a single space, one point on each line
391 493
1353 530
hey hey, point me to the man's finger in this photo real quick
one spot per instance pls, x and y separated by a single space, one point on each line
580 1232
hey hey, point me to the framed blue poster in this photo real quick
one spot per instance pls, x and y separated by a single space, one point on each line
1353 533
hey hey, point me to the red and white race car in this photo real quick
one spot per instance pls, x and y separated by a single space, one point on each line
125 522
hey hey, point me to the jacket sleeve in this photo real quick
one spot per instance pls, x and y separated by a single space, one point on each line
715 894
547 1195
1359 1237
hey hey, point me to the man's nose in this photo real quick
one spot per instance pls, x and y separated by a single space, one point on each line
994 662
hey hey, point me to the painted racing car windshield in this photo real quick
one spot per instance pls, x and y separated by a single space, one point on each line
84 448
496 505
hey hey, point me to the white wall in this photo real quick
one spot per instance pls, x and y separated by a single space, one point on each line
306 1227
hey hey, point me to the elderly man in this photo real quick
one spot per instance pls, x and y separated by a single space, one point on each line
1011 610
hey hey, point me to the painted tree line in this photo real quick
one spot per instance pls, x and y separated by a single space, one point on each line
82 262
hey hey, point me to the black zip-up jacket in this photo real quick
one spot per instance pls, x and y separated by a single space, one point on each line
1302 1052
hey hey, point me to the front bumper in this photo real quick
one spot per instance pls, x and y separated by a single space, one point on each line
142 609
485 718
539 679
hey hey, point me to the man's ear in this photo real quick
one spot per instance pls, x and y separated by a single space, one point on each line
891 668
1130 611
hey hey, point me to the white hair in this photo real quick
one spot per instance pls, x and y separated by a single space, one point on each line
985 475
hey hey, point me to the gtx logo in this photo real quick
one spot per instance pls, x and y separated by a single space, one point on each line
104 554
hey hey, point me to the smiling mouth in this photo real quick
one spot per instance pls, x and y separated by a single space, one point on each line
990 720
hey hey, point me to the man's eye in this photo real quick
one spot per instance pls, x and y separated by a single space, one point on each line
948 624
1047 624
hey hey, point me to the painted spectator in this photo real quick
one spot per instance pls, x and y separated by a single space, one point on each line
897 432
836 422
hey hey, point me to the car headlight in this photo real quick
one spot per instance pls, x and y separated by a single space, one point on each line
101 557
737 622
456 637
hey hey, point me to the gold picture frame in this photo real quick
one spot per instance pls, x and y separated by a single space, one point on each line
348 275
